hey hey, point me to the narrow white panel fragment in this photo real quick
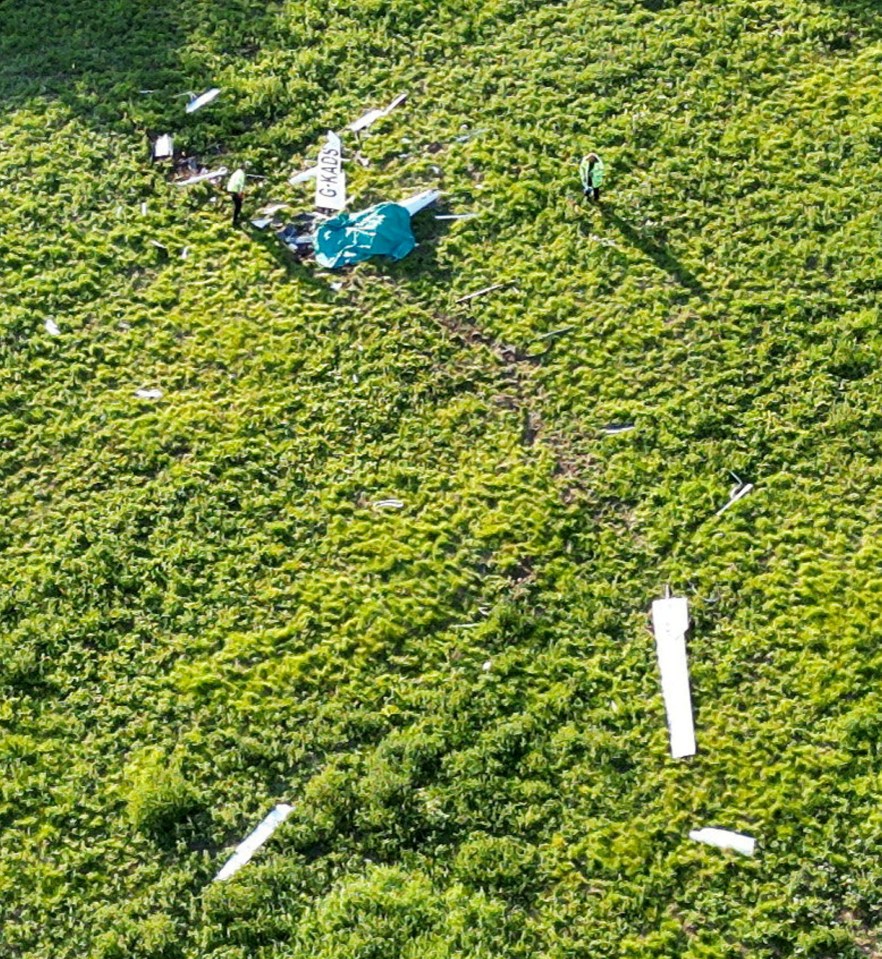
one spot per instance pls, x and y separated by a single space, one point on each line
198 102
330 183
254 840
365 120
724 839
303 176
201 177
389 504
52 327
670 620
148 394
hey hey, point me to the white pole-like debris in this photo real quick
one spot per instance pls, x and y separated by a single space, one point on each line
724 839
670 620
737 492
254 840
477 293
388 504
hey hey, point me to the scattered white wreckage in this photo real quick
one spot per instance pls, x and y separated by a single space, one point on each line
202 177
724 839
738 491
254 840
670 620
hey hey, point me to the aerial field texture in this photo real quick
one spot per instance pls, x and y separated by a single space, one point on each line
203 611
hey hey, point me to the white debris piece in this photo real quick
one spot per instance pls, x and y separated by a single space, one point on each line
261 223
196 103
158 245
254 840
615 428
52 327
738 491
164 147
144 208
202 177
366 119
485 290
487 666
419 201
272 208
148 394
724 839
670 620
330 183
455 216
389 504
303 176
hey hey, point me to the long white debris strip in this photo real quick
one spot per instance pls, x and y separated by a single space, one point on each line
670 620
197 103
254 840
366 119
202 177
330 183
724 839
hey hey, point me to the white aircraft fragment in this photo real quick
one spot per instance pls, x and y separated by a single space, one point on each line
670 620
615 428
254 840
724 839
52 327
196 103
164 147
148 394
414 204
202 177
366 119
477 293
738 491
455 216
303 176
330 183
389 504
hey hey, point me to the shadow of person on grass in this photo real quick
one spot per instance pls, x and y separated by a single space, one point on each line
660 255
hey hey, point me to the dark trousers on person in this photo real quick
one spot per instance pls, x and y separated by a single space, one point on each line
237 207
593 193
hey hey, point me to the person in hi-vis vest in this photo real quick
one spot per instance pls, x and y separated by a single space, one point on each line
591 172
236 188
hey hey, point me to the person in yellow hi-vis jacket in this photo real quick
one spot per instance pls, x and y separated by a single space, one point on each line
236 188
591 171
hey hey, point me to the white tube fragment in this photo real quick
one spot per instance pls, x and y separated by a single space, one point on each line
254 840
670 620
724 839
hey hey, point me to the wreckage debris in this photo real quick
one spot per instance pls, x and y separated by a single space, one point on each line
330 184
371 117
483 292
738 491
724 839
148 394
389 504
164 147
670 620
254 840
196 103
202 177
51 327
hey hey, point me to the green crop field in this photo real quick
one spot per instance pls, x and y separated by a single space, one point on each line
204 612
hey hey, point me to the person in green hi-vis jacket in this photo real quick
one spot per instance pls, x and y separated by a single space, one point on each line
591 172
236 188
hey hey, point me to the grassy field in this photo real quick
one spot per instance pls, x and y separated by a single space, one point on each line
203 610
